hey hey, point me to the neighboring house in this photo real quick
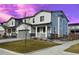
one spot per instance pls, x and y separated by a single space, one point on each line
44 23
2 30
10 26
73 28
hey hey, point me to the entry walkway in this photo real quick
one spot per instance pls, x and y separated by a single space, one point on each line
57 50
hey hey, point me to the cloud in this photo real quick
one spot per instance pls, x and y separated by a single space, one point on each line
4 16
16 10
29 10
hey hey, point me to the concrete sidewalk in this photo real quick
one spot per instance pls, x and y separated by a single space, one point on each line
57 50
9 40
5 51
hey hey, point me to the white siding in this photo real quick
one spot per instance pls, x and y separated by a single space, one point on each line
11 23
47 18
28 20
2 30
31 20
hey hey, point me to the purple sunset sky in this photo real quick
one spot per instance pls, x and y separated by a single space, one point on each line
18 10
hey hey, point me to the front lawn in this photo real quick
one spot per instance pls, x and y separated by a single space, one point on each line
73 48
31 45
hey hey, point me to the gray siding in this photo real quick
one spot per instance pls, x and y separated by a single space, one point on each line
63 24
54 24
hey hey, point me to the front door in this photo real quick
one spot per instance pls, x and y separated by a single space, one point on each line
41 32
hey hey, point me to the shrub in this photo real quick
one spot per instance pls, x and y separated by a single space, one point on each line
53 36
41 39
72 36
4 36
35 38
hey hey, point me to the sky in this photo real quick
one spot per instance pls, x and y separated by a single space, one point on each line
21 10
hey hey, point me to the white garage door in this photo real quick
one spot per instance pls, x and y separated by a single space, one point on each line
23 34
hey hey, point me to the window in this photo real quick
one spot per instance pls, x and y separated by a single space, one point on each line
9 30
12 22
38 29
41 18
13 29
43 29
48 29
33 20
25 21
33 30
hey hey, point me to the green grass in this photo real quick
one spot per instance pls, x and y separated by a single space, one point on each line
73 48
31 45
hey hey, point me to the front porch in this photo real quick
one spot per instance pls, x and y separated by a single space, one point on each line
42 31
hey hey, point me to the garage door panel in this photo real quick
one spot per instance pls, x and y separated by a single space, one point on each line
23 35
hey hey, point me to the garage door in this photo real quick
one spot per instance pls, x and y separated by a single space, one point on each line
22 34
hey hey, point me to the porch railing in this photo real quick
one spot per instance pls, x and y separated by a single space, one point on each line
41 35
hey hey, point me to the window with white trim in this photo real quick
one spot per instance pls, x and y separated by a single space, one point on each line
41 18
33 20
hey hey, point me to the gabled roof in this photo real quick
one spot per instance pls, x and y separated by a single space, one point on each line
43 11
65 16
49 12
8 20
13 18
36 14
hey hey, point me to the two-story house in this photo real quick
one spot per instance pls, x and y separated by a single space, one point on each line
10 26
43 24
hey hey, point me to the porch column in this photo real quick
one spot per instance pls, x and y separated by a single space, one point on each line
11 32
46 31
58 26
36 32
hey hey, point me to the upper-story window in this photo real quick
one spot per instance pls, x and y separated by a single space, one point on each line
41 18
25 21
12 22
33 20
